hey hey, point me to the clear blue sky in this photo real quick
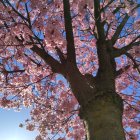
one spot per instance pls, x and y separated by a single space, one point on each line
9 125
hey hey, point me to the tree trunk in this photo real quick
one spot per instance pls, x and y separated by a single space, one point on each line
103 117
101 107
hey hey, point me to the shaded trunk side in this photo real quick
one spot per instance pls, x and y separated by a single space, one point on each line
103 118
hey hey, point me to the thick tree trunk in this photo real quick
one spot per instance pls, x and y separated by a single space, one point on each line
103 118
101 107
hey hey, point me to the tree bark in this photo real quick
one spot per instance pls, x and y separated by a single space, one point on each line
103 117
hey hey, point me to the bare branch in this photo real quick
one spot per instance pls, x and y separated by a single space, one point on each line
132 106
28 15
119 52
119 29
99 25
122 70
105 7
134 62
24 18
69 33
12 71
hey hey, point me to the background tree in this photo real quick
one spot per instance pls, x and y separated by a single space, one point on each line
75 63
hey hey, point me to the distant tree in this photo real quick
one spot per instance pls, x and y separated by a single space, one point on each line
76 63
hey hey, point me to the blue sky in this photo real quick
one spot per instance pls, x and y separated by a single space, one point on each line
9 125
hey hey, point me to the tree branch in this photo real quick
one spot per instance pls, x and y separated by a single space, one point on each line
131 106
119 52
24 18
104 8
134 62
119 29
61 55
38 64
99 25
12 71
54 64
71 57
28 16
122 70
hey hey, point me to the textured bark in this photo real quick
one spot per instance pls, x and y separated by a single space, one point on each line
103 117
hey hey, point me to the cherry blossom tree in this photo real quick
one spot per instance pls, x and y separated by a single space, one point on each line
75 63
